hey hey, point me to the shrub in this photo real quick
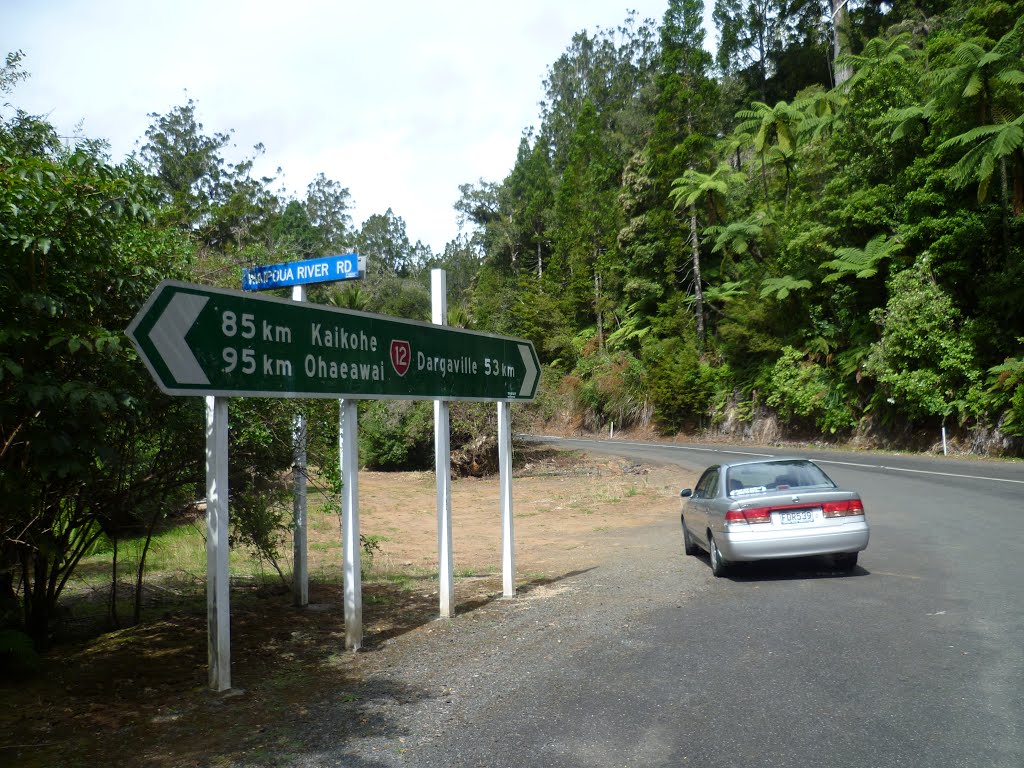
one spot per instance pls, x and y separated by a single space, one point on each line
18 657
396 434
924 361
1006 392
679 385
802 390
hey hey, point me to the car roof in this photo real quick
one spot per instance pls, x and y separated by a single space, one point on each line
773 460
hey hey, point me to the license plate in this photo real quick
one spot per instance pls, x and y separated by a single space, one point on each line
800 516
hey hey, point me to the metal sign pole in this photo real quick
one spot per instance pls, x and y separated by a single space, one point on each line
442 462
348 445
218 611
300 569
508 552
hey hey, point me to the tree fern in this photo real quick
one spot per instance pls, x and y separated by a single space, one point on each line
779 288
861 263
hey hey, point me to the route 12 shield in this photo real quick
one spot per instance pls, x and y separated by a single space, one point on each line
401 356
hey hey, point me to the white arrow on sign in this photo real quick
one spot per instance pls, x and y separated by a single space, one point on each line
531 371
168 336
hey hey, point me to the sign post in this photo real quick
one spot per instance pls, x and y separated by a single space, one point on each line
218 617
300 559
297 275
350 555
217 343
508 557
443 464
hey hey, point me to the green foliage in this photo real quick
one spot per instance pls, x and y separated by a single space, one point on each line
259 520
553 401
1006 392
11 72
988 146
861 263
844 187
507 303
924 361
327 204
89 444
779 288
260 444
18 657
680 386
620 391
803 392
469 421
396 434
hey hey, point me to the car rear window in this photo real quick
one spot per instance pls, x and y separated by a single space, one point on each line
768 477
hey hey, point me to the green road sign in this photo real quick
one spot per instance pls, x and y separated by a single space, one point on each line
197 340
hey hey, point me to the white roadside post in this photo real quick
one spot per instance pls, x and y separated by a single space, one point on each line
300 569
348 449
442 460
218 611
508 551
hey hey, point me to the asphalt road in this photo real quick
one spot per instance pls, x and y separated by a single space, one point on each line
916 659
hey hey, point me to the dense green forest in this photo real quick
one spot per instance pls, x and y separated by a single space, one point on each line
721 244
817 232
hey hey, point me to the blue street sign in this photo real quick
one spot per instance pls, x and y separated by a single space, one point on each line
347 266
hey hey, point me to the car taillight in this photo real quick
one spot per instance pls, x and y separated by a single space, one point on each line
842 508
753 515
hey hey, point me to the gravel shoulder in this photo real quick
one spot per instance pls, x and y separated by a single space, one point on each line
426 698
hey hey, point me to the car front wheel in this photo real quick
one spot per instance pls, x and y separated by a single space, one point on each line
689 545
719 565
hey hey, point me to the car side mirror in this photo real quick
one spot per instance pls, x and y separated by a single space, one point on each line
686 493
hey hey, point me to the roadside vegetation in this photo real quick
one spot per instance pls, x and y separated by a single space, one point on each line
817 233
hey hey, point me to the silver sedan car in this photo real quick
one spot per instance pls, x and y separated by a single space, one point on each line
772 509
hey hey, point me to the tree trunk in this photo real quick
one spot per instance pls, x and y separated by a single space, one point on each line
840 39
115 620
698 291
137 608
764 183
1018 189
37 608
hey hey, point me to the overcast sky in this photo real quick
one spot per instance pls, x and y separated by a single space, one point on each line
400 102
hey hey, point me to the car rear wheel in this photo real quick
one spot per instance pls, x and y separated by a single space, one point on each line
719 565
845 561
689 545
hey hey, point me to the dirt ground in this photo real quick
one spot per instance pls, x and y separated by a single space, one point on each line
560 501
139 696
